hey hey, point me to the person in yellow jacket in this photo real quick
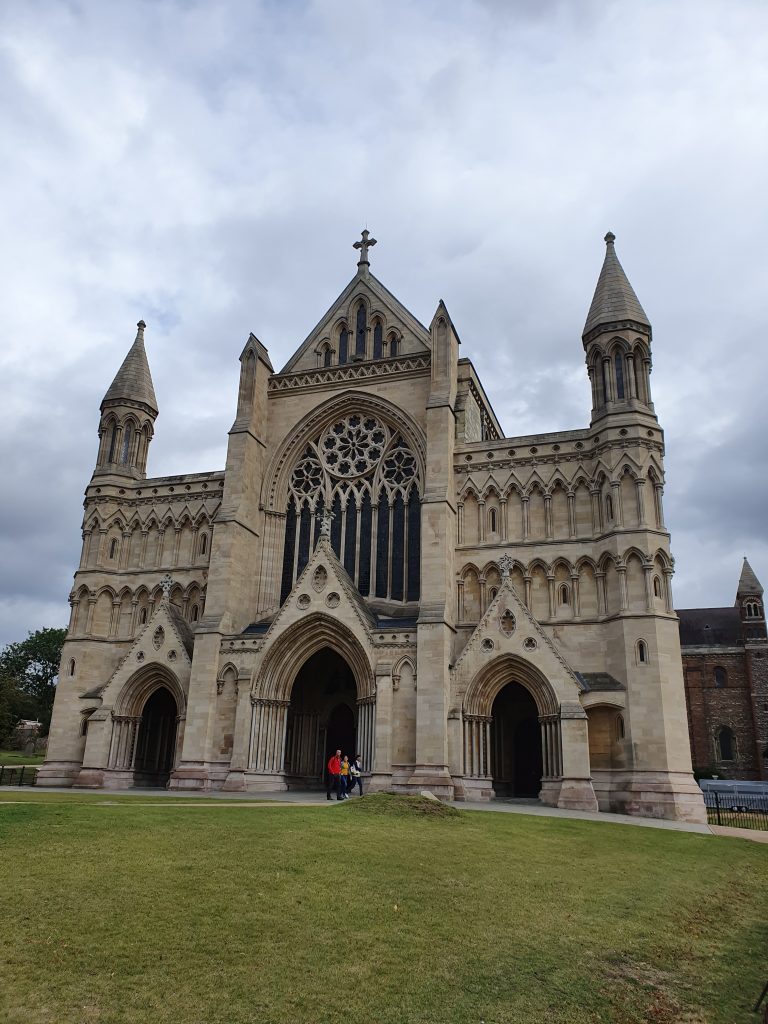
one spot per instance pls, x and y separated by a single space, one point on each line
344 778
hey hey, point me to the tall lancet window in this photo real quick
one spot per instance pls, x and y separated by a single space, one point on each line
378 340
343 345
361 329
125 448
618 361
368 476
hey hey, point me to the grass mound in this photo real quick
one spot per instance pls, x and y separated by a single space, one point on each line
397 805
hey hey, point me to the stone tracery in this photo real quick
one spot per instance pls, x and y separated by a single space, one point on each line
364 471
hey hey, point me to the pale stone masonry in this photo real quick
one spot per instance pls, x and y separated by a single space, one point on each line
379 568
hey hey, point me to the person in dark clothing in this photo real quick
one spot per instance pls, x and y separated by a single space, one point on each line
355 774
334 776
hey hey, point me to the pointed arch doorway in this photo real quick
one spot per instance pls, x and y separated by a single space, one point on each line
322 717
156 740
516 761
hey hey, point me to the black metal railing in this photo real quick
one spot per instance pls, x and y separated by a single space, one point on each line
739 810
17 775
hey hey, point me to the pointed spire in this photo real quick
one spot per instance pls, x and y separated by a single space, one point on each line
749 584
614 300
133 380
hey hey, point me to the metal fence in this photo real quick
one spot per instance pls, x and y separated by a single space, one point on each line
740 810
17 775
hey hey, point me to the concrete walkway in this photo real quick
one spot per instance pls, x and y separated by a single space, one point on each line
316 798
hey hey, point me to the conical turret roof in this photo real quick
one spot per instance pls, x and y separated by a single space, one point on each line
614 299
133 380
749 584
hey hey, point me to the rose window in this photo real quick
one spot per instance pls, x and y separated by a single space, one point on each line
354 446
367 477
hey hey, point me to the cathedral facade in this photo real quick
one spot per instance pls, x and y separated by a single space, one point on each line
378 568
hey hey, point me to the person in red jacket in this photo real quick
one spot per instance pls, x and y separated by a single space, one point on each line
334 774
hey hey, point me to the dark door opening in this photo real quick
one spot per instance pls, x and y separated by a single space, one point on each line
321 717
516 762
156 743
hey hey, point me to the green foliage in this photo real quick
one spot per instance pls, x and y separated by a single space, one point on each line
28 672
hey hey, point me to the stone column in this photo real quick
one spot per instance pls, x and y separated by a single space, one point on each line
594 493
668 572
481 519
575 595
143 554
571 496
460 522
100 551
576 791
91 607
527 583
526 516
602 604
623 597
86 548
503 515
551 594
648 573
548 516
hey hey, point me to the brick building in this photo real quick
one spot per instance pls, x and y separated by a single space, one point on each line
725 667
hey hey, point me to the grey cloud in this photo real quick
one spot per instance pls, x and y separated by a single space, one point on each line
207 167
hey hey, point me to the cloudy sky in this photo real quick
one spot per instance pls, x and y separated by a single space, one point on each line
207 166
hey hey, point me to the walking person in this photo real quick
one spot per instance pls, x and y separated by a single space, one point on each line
356 774
334 776
344 778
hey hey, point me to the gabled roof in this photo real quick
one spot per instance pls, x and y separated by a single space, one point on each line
133 380
614 299
362 283
710 627
749 584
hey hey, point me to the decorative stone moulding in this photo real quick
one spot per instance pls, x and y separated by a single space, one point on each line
140 656
333 600
158 637
172 655
320 578
507 622
530 643
304 601
487 645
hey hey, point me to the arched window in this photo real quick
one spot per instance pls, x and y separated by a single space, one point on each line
726 744
84 723
366 474
125 448
564 594
112 443
343 344
642 652
618 362
143 617
604 378
71 666
753 610
393 346
203 543
619 727
609 508
656 586
492 520
361 330
113 547
721 677
326 355
493 593
378 339
193 615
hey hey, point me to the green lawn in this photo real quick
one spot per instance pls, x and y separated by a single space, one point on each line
123 910
16 757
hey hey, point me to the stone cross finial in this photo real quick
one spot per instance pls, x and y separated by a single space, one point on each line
505 564
166 583
364 245
325 523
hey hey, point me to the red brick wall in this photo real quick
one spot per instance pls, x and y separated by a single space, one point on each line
710 707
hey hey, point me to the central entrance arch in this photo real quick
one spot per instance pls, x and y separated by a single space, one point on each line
322 716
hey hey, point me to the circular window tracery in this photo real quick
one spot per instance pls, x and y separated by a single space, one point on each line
353 447
307 477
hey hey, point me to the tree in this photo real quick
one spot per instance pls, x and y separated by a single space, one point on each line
31 667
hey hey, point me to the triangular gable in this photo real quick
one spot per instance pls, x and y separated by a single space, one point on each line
379 296
172 649
520 635
313 593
